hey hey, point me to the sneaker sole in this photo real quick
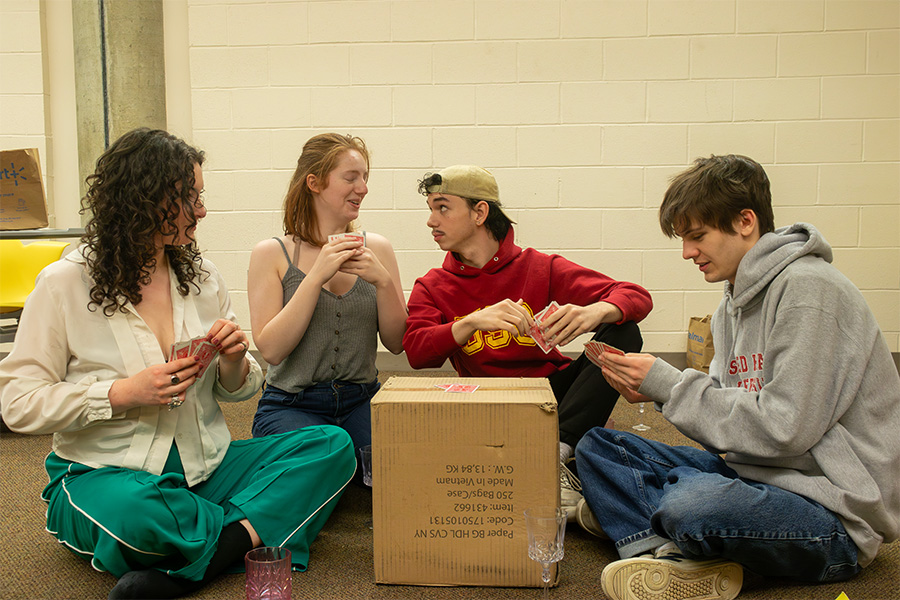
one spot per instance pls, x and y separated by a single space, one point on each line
654 579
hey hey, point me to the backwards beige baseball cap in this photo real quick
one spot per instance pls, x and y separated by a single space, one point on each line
466 181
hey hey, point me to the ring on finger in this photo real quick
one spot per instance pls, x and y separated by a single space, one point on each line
175 380
175 402
244 344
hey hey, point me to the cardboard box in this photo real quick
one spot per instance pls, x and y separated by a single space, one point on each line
453 473
23 204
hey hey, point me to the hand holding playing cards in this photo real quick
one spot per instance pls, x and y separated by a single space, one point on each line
366 265
569 321
155 385
332 257
625 373
506 315
231 343
229 340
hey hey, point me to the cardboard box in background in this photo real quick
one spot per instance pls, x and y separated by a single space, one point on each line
700 347
23 204
452 475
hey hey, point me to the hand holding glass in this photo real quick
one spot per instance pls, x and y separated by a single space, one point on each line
546 527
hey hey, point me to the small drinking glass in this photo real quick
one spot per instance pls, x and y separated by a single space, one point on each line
365 461
640 425
546 527
268 573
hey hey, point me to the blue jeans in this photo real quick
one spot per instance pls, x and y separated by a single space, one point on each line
340 403
645 493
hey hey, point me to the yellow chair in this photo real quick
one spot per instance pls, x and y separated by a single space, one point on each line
19 266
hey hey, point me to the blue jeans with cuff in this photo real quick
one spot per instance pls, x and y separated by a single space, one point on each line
645 493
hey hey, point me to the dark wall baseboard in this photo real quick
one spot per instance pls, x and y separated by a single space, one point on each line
393 362
397 362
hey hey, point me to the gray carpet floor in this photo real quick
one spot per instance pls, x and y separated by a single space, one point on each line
34 566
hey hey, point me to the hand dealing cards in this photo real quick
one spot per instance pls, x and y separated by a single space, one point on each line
535 332
200 347
593 350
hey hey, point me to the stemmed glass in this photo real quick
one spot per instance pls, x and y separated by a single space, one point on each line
365 460
546 527
640 426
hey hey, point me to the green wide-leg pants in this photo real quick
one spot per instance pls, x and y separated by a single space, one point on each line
123 520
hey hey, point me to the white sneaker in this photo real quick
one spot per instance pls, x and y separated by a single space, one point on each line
569 491
588 521
668 575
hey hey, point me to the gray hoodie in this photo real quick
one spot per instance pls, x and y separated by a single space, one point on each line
802 393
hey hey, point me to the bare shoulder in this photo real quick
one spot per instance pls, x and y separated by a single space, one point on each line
270 247
268 254
378 243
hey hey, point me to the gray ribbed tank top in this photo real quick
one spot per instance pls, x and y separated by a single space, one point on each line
340 342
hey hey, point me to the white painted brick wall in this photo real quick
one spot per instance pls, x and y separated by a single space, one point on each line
884 51
818 54
22 99
583 109
881 140
780 16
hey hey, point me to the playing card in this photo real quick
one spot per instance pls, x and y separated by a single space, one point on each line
540 340
593 350
353 235
180 350
611 349
461 387
200 347
206 352
443 386
535 332
548 310
196 343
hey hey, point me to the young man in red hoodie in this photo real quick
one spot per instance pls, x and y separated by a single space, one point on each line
477 309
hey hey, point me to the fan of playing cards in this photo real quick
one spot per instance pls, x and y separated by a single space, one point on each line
593 350
535 332
200 347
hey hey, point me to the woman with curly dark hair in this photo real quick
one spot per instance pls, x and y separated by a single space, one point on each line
144 478
137 194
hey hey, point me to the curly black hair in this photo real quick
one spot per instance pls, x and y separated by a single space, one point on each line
139 187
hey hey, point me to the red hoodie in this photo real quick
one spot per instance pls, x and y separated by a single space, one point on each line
455 290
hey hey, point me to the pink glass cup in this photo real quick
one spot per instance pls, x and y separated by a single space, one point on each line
268 573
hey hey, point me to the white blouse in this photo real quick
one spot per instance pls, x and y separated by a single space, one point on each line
66 357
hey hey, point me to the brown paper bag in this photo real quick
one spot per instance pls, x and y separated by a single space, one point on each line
700 348
22 201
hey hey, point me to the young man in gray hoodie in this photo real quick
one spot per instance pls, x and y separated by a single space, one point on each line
799 415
